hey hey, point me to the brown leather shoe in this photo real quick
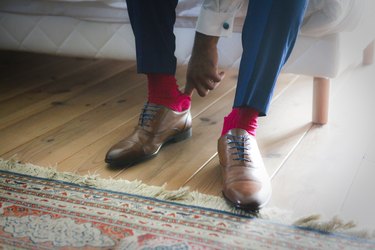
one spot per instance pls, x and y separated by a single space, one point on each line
246 183
157 126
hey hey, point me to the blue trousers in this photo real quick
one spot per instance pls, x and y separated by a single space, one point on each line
268 37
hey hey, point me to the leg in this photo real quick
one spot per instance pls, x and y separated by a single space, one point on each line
152 22
320 100
368 54
268 37
166 115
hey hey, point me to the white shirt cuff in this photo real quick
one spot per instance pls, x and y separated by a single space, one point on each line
214 23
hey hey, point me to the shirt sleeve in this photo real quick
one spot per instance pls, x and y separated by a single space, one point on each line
216 17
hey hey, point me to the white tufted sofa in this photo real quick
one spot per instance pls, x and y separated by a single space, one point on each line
335 34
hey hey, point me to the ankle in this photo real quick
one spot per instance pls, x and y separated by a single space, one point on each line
242 118
163 90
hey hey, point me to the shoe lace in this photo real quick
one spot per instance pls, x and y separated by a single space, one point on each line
148 113
239 143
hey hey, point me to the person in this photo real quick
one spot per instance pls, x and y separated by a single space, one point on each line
269 33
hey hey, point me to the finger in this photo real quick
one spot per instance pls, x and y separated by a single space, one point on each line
188 89
217 77
216 84
222 75
209 84
202 91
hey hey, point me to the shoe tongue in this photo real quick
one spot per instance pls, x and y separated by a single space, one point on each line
238 132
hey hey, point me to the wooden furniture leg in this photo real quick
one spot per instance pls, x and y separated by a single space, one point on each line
320 100
368 54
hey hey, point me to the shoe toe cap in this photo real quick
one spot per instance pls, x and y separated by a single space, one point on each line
247 195
123 155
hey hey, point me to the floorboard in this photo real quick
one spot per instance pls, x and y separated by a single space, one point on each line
13 63
319 174
60 112
41 98
24 81
62 141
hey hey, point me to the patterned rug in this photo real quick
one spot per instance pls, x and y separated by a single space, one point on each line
54 213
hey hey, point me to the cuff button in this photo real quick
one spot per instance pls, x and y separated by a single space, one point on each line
226 25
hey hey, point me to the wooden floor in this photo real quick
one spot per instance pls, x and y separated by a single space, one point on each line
67 112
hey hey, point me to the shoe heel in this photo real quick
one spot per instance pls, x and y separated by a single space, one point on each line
182 136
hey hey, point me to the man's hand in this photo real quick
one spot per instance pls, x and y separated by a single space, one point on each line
202 73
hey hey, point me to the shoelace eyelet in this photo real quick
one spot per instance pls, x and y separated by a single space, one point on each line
240 146
148 114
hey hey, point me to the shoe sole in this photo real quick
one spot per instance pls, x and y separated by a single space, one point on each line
177 138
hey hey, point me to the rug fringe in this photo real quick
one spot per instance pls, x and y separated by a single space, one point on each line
335 225
184 196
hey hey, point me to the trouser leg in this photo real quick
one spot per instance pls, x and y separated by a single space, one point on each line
152 22
268 37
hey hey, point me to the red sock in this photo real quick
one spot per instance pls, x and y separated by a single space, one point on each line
163 90
244 118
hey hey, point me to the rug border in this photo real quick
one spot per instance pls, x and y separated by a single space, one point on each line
332 234
183 194
141 196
